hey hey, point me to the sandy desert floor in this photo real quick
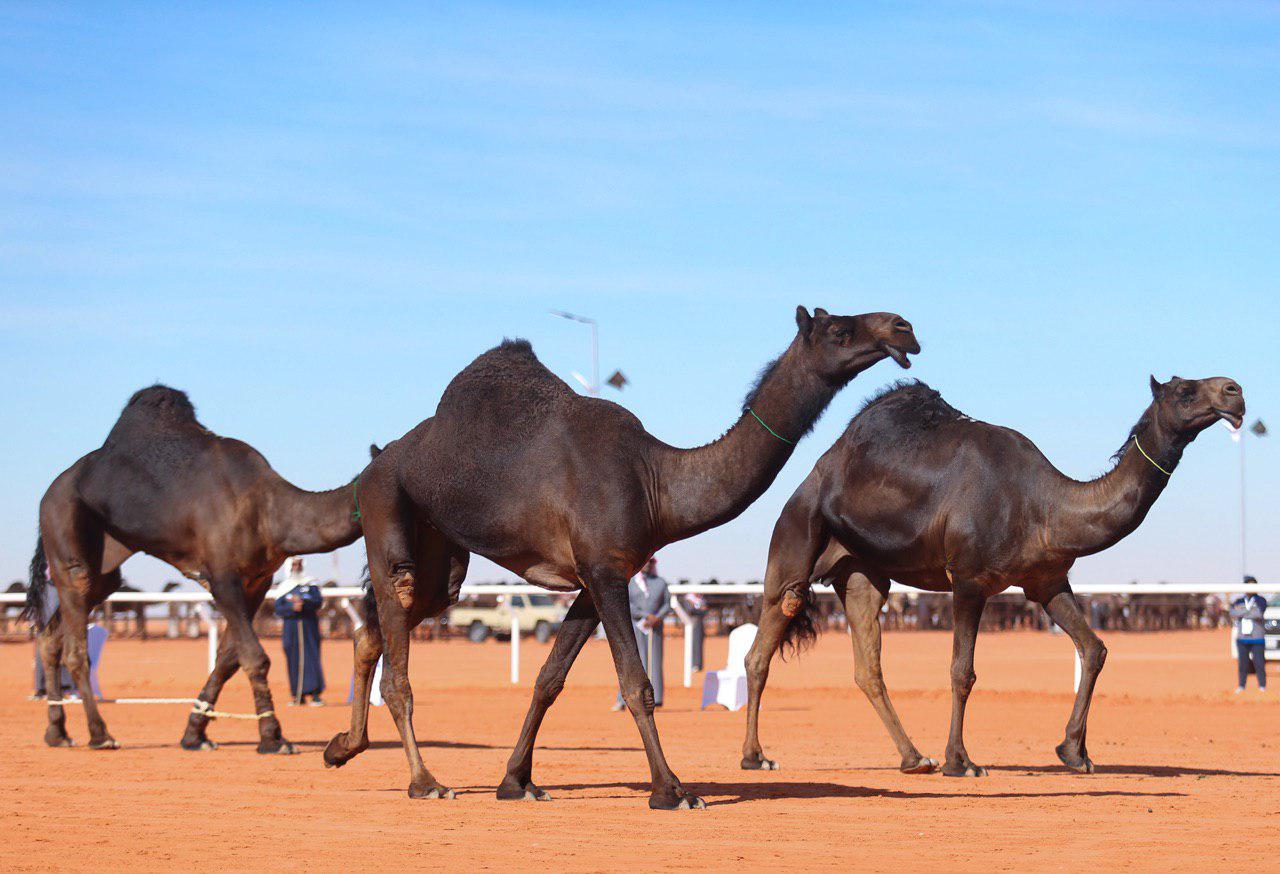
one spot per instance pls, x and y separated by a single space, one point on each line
1189 773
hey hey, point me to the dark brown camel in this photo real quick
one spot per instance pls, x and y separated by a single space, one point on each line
210 506
916 492
571 493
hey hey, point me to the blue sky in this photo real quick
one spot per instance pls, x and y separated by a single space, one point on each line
311 218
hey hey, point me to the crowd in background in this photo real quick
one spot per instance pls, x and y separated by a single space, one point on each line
719 613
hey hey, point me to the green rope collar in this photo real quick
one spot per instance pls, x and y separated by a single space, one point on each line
1149 458
355 496
770 430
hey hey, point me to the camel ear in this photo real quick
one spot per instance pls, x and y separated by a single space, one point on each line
374 451
820 313
1156 387
803 321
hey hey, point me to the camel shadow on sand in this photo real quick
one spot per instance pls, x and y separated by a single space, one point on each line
1136 771
721 794
317 745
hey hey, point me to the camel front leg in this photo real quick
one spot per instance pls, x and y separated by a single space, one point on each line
609 592
1064 610
229 594
968 602
224 668
578 626
346 745
863 600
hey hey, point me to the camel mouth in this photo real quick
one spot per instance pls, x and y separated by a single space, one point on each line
899 357
1235 420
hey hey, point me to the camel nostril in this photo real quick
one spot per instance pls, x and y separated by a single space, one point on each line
1231 389
902 325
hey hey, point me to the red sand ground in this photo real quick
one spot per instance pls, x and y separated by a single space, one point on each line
1188 775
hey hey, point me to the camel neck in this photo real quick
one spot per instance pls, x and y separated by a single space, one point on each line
708 486
1098 514
304 522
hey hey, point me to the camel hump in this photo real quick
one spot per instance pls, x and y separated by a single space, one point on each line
905 407
156 406
164 399
510 377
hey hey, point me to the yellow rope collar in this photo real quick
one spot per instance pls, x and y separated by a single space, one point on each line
1149 458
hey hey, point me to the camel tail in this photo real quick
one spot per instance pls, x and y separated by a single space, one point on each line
37 586
370 602
802 630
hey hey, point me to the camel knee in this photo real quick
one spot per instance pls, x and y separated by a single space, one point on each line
396 690
962 682
1094 658
870 682
76 660
640 700
757 665
548 687
256 664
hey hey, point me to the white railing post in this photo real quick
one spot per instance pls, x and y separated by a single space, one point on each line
686 623
515 647
206 613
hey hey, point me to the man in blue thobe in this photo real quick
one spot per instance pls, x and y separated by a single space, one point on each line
298 604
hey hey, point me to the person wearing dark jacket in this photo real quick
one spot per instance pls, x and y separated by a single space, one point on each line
298 604
1251 656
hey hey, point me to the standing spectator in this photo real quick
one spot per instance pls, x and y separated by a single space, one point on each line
1247 611
298 603
696 606
650 603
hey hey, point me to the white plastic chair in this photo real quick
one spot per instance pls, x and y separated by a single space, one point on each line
375 686
729 686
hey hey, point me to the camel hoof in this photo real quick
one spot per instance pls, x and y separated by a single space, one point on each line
108 743
760 764
1081 764
200 744
432 792
678 802
923 765
527 792
969 770
58 740
276 748
337 753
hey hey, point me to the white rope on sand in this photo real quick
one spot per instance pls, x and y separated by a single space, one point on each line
204 708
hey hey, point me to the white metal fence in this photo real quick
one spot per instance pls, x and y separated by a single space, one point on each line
345 593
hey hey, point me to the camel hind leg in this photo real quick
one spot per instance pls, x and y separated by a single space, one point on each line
863 599
799 538
411 569
74 543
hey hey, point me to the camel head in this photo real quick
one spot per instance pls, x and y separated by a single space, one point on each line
1189 406
841 347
